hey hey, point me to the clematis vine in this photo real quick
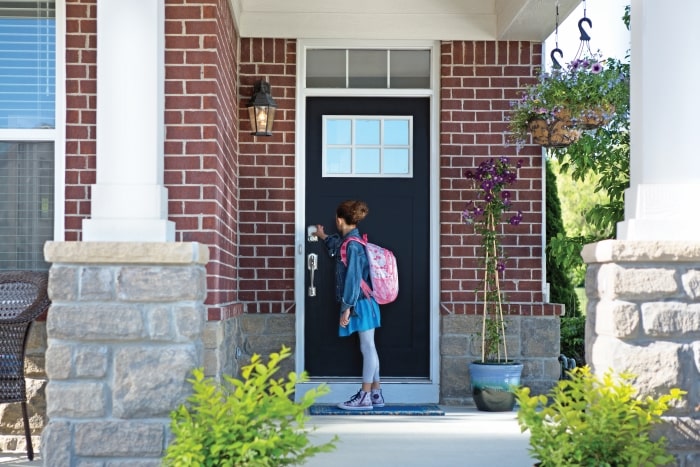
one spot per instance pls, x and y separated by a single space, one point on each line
485 213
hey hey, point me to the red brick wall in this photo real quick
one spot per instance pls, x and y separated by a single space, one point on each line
201 147
267 181
201 117
478 81
81 99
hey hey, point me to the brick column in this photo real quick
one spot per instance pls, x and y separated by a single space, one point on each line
644 317
124 332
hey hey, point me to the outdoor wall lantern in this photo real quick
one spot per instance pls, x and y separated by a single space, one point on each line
261 109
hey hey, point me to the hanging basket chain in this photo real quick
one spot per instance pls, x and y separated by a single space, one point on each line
556 50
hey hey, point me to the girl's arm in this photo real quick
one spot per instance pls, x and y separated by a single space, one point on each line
353 277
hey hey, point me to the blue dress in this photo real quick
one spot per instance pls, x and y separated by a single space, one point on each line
348 293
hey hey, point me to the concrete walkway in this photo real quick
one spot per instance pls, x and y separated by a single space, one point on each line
18 458
463 437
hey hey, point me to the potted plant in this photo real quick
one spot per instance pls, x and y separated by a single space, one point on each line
586 420
493 376
581 96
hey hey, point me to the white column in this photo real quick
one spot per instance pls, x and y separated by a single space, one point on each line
664 194
129 201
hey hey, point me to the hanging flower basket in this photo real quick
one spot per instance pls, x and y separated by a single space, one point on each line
591 90
555 133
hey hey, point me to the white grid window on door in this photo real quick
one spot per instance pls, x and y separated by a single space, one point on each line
367 146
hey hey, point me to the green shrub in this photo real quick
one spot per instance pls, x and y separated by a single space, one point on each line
249 422
588 421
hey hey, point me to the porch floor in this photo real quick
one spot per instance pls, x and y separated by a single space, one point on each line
463 436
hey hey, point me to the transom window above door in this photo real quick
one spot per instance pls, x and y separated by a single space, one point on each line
367 146
368 68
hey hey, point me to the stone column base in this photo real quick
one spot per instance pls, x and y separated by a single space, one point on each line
124 332
643 317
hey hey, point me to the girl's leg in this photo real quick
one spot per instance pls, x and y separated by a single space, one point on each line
370 361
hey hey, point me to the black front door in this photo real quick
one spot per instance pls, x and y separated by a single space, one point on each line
398 219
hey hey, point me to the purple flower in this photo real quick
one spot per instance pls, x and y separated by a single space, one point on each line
596 68
492 177
501 266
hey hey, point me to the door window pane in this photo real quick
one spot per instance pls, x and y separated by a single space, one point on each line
338 132
367 69
367 161
396 132
396 161
367 131
410 69
339 161
325 68
26 203
27 65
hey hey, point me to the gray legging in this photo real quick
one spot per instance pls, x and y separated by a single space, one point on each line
370 358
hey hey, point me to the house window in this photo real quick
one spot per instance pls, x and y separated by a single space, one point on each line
367 146
27 131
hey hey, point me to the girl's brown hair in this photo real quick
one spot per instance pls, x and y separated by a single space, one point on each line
352 211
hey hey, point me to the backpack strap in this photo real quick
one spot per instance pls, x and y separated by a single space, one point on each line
344 247
366 289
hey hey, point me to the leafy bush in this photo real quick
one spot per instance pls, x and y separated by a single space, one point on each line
587 421
249 422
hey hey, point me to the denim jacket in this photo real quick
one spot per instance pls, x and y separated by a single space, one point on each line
347 280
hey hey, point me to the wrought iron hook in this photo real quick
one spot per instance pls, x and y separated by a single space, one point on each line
555 62
584 34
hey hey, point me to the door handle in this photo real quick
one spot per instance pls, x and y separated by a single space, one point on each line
312 266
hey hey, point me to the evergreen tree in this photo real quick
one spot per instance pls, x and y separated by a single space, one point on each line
561 290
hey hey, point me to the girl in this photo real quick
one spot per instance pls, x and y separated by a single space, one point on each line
357 313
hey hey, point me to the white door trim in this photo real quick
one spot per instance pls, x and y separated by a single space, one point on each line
402 390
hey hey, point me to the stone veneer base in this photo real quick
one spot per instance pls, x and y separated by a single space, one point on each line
643 316
124 332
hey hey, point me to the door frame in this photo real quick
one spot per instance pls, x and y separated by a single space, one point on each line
401 390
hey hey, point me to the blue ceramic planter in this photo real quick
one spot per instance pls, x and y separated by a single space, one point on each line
492 385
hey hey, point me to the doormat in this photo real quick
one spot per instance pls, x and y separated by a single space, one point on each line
389 409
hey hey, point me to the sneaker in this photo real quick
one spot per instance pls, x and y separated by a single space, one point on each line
377 398
360 401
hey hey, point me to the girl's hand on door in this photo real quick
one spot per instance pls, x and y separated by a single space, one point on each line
320 233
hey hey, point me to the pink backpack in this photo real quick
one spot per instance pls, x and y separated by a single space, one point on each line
383 272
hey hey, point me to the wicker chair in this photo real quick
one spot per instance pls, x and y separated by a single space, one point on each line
23 297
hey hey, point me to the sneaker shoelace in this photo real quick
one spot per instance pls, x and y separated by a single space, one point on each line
355 397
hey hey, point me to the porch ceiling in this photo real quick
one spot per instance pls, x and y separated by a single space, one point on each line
531 20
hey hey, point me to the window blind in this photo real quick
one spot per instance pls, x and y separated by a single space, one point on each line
27 64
